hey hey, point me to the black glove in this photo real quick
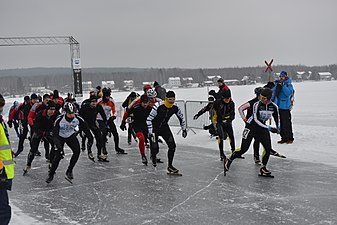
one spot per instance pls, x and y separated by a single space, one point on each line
122 126
10 124
196 116
184 133
113 117
274 130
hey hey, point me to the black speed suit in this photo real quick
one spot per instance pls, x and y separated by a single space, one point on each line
157 123
43 127
65 131
225 114
89 115
256 128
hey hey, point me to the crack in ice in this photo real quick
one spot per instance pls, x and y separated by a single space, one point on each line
197 192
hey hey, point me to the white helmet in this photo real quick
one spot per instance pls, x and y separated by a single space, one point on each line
151 93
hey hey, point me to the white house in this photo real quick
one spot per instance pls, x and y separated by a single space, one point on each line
108 84
128 85
174 81
324 75
86 85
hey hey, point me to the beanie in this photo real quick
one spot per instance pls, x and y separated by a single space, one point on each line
56 94
51 105
283 74
33 96
93 98
170 94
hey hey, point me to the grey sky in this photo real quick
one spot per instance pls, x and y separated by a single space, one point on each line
172 33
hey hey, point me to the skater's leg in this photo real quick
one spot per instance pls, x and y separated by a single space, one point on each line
264 138
229 130
256 147
104 131
34 148
221 139
74 145
114 132
141 143
169 139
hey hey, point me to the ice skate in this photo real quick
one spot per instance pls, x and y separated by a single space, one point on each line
159 160
265 173
144 160
227 164
274 153
173 171
121 151
69 176
103 158
154 161
50 178
91 157
25 170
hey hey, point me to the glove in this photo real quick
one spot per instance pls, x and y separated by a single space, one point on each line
113 117
184 133
10 124
122 126
273 130
196 116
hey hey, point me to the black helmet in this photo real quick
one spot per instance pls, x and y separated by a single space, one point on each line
106 91
69 107
258 90
267 92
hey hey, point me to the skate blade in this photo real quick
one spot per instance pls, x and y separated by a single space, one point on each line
269 176
68 179
92 160
174 174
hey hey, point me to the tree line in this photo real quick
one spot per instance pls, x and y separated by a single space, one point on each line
19 81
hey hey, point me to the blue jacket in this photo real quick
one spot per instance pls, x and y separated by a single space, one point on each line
283 100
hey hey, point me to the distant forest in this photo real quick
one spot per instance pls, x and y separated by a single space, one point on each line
19 81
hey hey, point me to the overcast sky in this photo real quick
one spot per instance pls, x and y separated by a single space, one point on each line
172 33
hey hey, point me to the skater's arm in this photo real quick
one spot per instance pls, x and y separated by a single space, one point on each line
242 108
181 118
101 112
151 116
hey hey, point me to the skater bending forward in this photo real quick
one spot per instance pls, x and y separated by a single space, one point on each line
256 128
66 128
157 123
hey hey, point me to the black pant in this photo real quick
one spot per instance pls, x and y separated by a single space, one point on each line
286 131
5 209
112 128
261 135
35 142
74 145
22 137
167 135
224 130
99 140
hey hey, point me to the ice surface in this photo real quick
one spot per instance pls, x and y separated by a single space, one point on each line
124 191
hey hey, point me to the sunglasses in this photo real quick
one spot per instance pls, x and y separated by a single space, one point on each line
171 99
264 98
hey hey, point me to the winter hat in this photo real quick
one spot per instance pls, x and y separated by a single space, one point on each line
155 84
144 98
51 105
56 94
146 87
283 74
270 84
33 96
170 94
267 92
133 95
